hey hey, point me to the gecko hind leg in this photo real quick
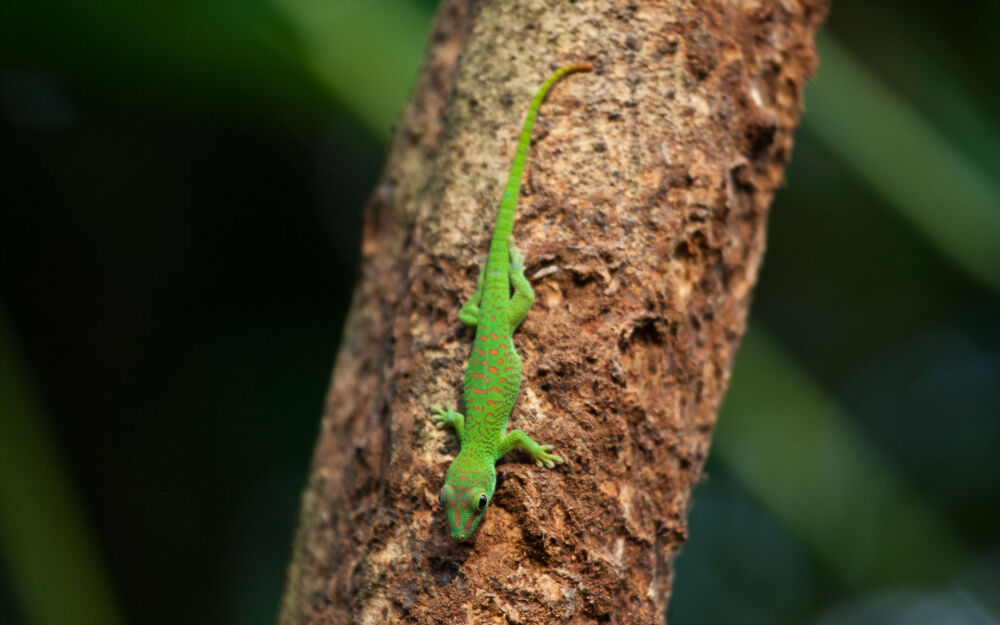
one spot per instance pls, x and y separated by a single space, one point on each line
446 416
523 296
541 454
469 315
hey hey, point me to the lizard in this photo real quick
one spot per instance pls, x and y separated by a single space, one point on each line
493 373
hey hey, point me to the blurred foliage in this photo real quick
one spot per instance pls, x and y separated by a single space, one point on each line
43 538
179 218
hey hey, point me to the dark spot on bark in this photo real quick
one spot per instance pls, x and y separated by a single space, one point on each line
740 178
507 100
668 47
759 137
645 331
701 57
600 147
677 177
444 570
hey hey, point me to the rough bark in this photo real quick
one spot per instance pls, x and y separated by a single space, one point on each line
642 220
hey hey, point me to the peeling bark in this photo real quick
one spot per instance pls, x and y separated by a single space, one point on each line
642 219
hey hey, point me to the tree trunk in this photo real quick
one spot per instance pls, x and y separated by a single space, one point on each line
642 220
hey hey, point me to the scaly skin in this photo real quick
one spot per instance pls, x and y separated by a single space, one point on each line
493 375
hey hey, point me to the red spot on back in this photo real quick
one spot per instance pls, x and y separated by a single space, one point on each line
493 335
484 338
478 391
494 389
494 370
477 375
493 317
492 352
499 361
482 352
491 403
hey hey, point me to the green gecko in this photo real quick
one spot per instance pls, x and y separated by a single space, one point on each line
493 374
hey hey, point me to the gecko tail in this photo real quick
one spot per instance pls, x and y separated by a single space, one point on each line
504 224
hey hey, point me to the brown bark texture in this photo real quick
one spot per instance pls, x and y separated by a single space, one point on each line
642 219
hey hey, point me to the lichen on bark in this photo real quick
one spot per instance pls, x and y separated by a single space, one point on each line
642 219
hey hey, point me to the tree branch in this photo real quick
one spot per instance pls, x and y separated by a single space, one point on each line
642 220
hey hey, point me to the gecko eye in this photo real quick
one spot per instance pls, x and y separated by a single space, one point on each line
482 503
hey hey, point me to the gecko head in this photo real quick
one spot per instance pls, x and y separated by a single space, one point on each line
465 497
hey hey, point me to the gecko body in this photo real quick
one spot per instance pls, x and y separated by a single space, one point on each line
493 373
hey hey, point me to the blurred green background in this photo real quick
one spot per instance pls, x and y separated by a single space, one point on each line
179 220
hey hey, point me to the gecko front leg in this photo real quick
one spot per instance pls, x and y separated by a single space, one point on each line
541 454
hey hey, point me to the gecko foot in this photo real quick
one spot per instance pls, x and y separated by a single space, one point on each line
446 416
440 415
542 457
